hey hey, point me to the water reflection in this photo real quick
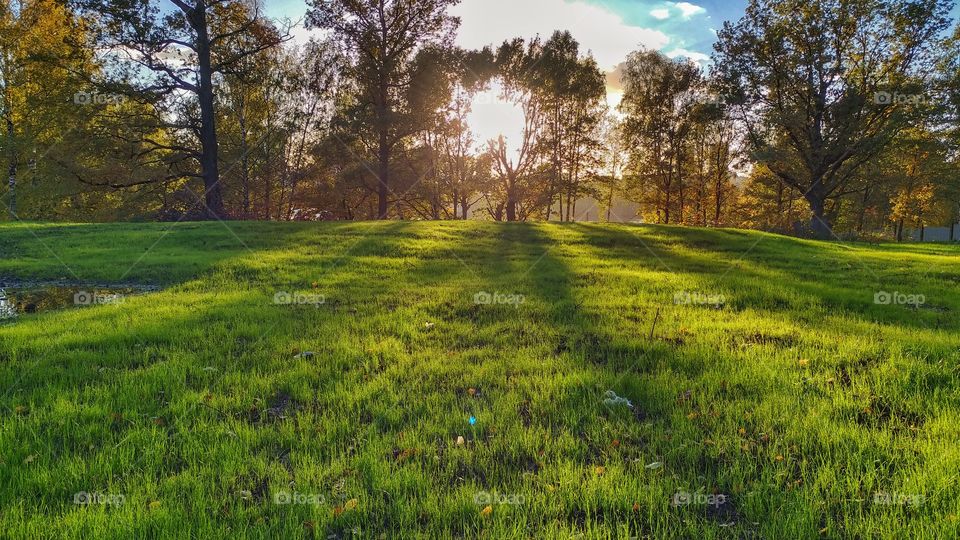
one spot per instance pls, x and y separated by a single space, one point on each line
16 301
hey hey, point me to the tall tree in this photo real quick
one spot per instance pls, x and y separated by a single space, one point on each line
659 97
168 54
573 94
818 84
39 75
382 36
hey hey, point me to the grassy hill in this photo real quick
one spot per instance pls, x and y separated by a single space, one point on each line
469 379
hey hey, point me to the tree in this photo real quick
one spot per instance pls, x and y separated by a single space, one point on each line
573 94
39 75
822 86
514 167
659 97
165 55
382 36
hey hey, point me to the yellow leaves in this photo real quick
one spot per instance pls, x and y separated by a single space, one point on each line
154 505
803 362
693 415
600 470
460 440
347 506
472 392
779 457
742 431
636 508
487 510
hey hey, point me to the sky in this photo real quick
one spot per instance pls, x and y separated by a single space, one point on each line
608 29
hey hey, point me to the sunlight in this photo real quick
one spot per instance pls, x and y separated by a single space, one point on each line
492 116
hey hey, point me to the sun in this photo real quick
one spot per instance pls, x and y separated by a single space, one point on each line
492 116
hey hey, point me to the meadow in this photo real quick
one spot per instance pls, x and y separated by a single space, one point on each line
479 380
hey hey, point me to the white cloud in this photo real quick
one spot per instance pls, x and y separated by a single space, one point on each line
689 10
598 30
660 14
698 57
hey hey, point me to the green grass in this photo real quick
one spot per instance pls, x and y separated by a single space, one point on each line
798 401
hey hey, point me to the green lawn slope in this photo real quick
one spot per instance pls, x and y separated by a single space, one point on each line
781 402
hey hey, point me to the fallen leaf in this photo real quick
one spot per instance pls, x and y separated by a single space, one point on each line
779 457
600 470
654 466
29 459
472 391
460 440
636 508
154 505
487 510
804 362
616 443
350 505
21 410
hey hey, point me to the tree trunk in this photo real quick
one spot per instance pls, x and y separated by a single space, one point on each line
511 199
209 161
818 222
245 160
383 191
12 169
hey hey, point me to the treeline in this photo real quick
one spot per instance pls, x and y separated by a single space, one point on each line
818 117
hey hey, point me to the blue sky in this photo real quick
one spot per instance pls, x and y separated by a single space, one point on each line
611 29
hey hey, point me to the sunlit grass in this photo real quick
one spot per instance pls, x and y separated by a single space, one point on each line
799 400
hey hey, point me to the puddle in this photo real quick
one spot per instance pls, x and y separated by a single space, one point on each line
28 298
